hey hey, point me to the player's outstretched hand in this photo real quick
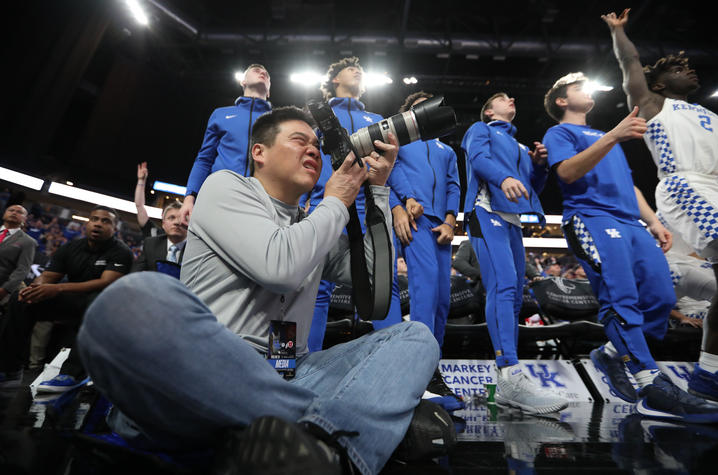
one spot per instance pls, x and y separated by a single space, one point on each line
614 21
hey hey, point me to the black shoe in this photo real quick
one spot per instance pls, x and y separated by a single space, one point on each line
439 393
664 400
615 372
270 446
431 434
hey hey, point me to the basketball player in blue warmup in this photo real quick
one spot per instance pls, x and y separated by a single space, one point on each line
433 178
683 140
623 262
343 88
504 179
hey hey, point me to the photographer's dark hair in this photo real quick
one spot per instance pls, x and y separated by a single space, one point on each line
653 73
328 88
411 98
487 105
266 128
112 211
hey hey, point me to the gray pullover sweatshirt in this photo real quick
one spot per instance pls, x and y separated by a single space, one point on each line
251 258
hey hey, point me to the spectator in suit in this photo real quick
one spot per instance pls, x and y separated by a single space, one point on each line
165 247
17 251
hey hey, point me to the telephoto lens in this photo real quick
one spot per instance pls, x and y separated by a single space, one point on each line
427 120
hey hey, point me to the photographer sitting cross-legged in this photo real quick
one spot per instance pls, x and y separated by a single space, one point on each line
184 363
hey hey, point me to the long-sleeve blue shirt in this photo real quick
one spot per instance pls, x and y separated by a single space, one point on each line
353 116
432 176
226 141
492 155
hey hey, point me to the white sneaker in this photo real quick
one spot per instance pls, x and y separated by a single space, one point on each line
518 390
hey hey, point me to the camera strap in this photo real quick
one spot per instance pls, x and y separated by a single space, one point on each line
371 301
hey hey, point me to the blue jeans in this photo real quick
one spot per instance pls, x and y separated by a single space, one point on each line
160 355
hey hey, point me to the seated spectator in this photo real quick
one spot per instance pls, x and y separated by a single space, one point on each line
551 267
466 262
165 247
17 251
90 265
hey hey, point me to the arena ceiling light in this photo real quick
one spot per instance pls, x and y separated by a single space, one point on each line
715 94
21 179
376 79
138 12
238 76
169 188
410 80
307 78
100 199
594 86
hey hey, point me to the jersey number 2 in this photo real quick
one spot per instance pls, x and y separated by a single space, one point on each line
705 122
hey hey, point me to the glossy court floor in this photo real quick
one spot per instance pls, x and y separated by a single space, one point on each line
52 436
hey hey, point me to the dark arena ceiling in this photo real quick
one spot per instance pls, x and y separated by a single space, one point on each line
89 92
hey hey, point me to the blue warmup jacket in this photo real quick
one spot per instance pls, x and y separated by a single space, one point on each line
352 116
492 155
226 141
429 168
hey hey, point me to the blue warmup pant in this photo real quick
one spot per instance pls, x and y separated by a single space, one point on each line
629 275
500 249
321 313
429 268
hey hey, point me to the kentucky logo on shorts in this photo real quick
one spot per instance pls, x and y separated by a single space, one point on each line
613 233
495 222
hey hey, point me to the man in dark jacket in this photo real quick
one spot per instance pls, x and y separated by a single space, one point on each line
166 247
17 250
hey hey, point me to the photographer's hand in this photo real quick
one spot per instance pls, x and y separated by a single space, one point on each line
346 181
382 164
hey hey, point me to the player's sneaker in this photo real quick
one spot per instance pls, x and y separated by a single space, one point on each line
10 379
60 384
664 400
518 390
615 372
703 383
439 393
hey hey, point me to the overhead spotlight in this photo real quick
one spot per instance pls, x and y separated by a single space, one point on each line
410 80
239 76
169 188
138 12
715 94
69 183
377 79
306 78
589 87
80 218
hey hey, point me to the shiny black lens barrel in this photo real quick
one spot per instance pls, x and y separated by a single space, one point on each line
434 118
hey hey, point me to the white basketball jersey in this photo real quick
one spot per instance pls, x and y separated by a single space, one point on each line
683 137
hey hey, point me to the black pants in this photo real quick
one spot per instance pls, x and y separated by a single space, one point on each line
17 324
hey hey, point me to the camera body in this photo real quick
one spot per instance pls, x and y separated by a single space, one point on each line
427 120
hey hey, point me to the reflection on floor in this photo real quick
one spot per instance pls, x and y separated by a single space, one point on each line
52 435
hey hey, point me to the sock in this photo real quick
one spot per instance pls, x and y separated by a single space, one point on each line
508 371
708 362
610 350
646 376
